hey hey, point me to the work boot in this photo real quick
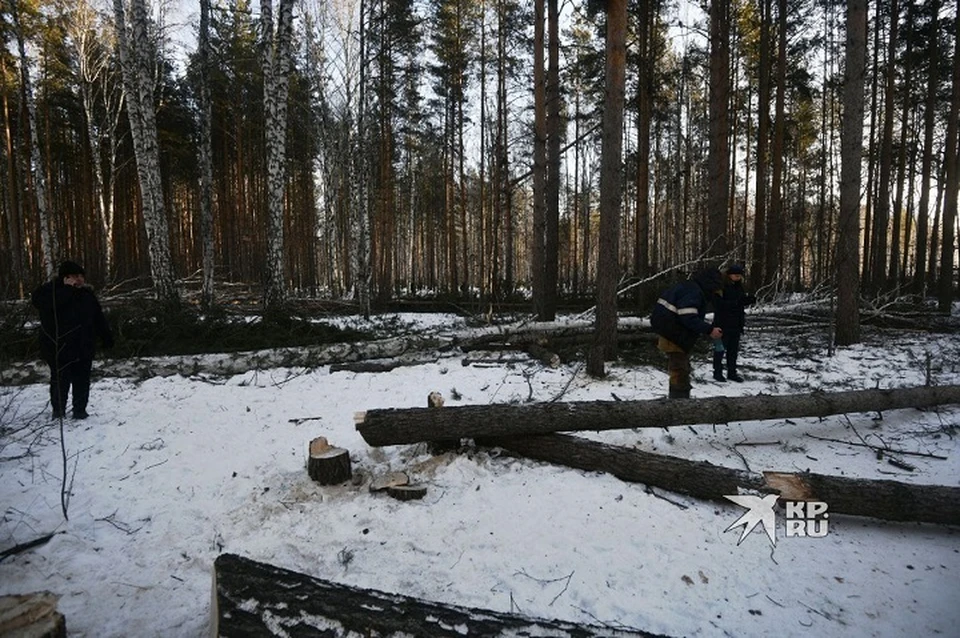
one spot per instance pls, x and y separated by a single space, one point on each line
80 414
718 366
734 376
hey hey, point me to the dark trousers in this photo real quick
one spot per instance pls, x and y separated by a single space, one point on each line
731 344
74 374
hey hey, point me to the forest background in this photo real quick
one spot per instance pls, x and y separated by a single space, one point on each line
481 150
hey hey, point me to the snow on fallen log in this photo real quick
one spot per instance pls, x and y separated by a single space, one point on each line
396 426
256 599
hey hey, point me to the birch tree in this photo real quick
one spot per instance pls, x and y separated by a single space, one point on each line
102 98
135 64
276 70
47 237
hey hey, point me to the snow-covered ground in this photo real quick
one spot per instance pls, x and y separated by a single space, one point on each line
170 472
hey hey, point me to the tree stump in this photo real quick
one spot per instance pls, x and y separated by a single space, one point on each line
32 616
328 465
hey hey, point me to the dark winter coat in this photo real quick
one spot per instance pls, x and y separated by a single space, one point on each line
729 314
70 321
678 315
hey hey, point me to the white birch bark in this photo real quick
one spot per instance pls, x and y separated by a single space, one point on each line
47 237
137 77
276 68
93 48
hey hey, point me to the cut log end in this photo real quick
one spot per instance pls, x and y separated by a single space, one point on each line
391 479
407 492
791 486
32 616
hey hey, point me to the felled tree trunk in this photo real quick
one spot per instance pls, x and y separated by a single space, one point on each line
256 599
396 426
888 500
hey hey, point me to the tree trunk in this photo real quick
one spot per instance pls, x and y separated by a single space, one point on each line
251 598
135 65
538 249
945 288
881 216
48 239
718 185
611 160
759 275
554 126
206 157
926 170
887 500
276 69
395 426
645 95
775 263
848 244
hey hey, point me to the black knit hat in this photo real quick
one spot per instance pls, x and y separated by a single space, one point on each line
735 269
68 268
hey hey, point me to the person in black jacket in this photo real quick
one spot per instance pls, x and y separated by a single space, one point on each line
678 318
70 320
729 315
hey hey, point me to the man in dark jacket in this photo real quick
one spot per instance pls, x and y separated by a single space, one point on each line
729 315
70 321
678 319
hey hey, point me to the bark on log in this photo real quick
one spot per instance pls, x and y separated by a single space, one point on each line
440 446
396 426
328 465
887 500
256 599
407 492
31 616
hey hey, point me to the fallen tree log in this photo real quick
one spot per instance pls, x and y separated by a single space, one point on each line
256 599
31 616
395 426
883 499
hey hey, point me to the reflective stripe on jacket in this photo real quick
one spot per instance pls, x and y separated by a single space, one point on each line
678 314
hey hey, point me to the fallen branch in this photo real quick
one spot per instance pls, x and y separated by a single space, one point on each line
22 547
879 448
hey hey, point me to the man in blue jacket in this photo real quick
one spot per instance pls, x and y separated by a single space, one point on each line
70 321
678 318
